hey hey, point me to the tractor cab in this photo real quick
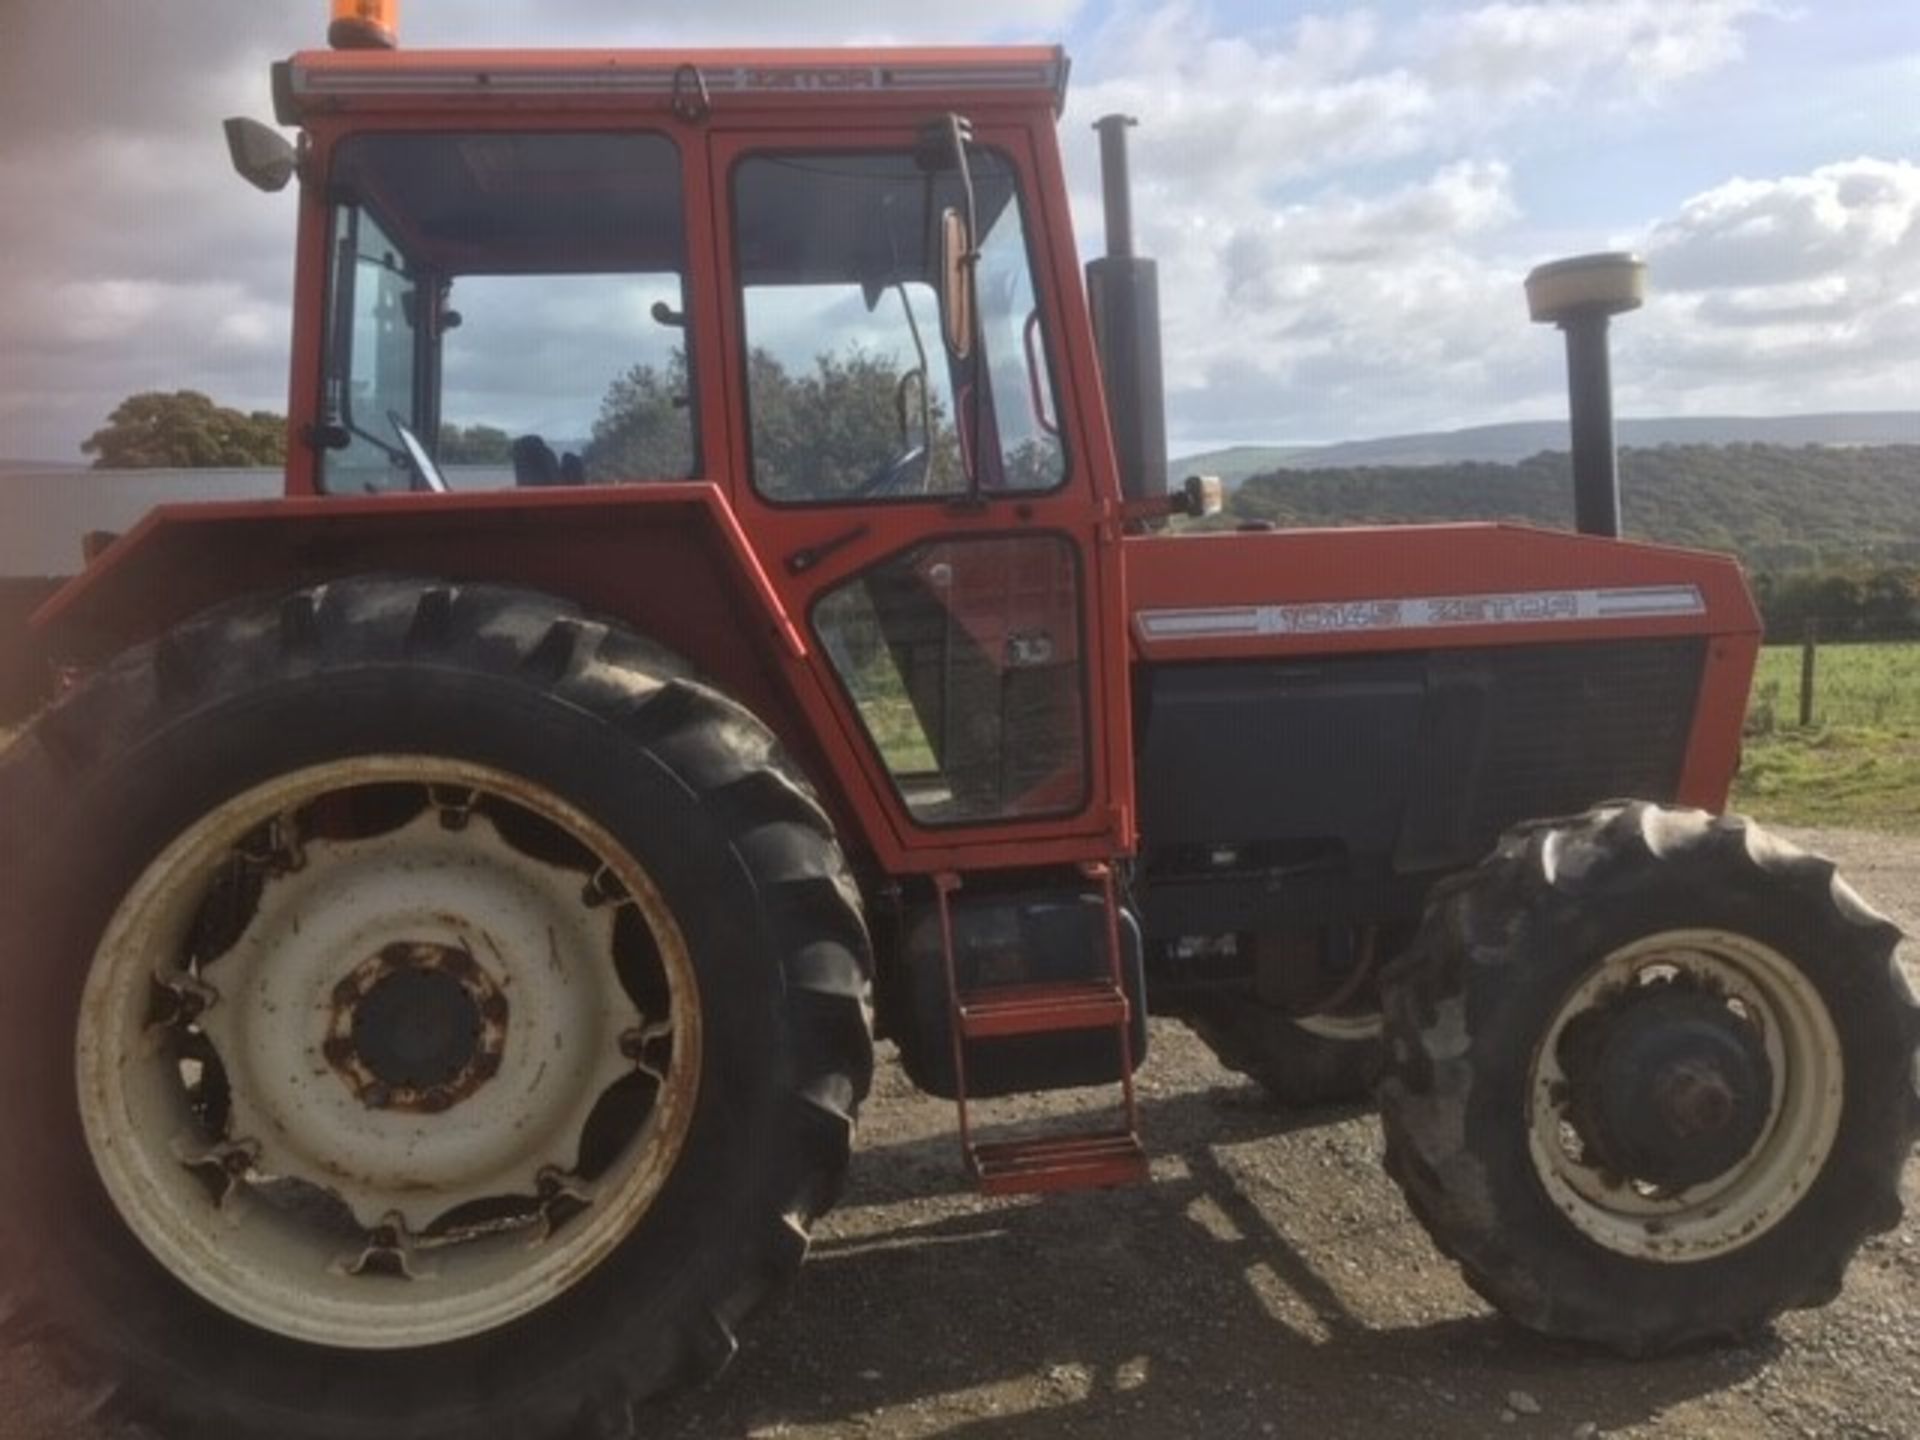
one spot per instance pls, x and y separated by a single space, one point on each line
839 287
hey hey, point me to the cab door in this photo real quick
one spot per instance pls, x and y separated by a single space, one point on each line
919 490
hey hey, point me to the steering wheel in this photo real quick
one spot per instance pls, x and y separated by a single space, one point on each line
906 472
426 474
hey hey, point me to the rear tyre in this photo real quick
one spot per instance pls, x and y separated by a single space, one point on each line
1308 1026
1651 1077
1318 1060
469 1010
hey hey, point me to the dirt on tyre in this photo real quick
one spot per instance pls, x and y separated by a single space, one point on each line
1651 1077
432 1013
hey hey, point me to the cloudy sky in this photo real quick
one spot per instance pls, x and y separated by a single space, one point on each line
1343 197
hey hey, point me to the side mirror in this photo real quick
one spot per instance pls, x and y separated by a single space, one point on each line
1202 495
262 156
956 284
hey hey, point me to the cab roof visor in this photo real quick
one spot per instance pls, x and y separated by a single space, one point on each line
327 80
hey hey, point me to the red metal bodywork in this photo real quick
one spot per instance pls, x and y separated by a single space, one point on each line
702 565
1332 571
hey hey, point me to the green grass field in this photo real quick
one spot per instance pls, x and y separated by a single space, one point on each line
1858 764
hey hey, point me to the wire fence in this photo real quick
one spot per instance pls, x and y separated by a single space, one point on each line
1835 672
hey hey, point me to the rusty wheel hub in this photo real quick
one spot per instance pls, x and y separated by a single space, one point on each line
384 1021
418 1027
1685 1095
1677 1089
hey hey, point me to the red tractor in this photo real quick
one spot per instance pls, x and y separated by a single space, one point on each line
445 926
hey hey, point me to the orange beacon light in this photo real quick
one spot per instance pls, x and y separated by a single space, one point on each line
364 25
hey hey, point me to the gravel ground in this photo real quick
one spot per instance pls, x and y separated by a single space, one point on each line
1268 1283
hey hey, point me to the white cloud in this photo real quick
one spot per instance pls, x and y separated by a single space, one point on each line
1535 52
621 22
1233 116
1340 205
1342 231
1845 216
1799 286
1305 294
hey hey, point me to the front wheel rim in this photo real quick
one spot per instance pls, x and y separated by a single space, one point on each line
388 1052
1769 1006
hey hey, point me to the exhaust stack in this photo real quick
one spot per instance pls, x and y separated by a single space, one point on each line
1581 295
1123 292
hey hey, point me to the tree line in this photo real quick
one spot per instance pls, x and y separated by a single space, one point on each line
1827 532
1830 533
818 430
1874 602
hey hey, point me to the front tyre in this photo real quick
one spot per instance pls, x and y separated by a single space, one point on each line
431 1013
1651 1077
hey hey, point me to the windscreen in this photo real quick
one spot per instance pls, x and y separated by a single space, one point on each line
516 302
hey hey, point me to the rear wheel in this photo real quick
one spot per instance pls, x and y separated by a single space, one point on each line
467 1010
1308 1029
1304 1061
1651 1077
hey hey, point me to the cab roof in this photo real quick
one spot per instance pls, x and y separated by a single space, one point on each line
321 81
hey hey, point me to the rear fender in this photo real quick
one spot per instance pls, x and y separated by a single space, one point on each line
668 560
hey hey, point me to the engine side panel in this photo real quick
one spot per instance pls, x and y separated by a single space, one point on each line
1316 594
1329 720
1413 762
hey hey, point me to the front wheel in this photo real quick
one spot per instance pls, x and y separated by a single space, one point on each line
430 1013
1651 1077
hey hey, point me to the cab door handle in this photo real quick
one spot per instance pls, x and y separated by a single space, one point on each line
803 560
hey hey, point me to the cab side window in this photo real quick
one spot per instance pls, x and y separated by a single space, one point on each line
852 394
515 302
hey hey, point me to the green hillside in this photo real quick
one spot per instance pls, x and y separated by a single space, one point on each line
1510 443
1237 462
1779 507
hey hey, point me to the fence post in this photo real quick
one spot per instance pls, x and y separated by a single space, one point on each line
1809 643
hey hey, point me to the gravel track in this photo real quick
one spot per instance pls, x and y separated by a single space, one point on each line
1268 1283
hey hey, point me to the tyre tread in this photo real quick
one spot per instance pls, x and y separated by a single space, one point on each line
1468 933
777 831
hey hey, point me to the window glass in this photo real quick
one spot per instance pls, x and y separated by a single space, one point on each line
963 658
379 378
852 393
1021 388
518 302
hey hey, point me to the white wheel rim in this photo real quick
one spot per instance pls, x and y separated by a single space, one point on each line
1348 1029
1762 990
362 1180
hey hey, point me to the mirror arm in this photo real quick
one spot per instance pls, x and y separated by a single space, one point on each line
920 356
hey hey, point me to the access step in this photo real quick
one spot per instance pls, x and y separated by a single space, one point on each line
1048 1163
1041 1009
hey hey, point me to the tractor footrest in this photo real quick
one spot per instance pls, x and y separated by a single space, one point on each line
1041 1009
1059 1162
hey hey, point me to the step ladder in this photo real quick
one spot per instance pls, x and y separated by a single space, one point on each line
1075 1160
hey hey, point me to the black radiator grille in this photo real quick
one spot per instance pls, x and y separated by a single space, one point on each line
1552 729
1412 761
